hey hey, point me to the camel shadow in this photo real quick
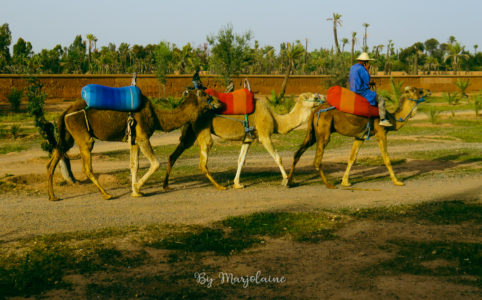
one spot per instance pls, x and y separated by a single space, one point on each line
404 169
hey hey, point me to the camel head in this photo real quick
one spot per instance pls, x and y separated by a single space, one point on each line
204 101
310 100
409 101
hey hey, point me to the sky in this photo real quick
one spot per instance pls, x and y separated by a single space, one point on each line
46 23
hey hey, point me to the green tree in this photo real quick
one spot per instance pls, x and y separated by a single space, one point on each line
353 42
455 53
164 59
336 19
365 37
22 52
5 40
230 52
74 56
91 38
293 52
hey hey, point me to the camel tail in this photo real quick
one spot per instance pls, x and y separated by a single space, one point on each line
64 143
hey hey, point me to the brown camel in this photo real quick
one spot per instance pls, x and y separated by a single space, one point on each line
322 124
82 126
264 121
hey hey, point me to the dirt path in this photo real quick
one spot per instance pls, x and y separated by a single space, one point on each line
194 200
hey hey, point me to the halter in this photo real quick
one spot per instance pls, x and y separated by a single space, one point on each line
417 102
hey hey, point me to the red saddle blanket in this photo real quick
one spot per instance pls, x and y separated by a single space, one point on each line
350 102
239 102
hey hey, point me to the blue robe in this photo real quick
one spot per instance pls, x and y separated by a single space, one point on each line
358 81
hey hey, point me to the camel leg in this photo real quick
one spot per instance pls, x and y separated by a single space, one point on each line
187 139
382 144
241 160
134 164
52 164
268 145
205 143
86 155
146 149
310 139
320 148
354 152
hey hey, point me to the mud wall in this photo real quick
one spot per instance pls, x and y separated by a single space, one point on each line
69 86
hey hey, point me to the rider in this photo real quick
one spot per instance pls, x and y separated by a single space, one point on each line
359 81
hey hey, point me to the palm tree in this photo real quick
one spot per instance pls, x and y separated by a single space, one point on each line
353 42
452 40
365 46
455 53
388 63
344 41
293 52
91 38
475 49
336 21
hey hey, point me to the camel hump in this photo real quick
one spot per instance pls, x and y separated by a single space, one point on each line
350 102
126 98
239 102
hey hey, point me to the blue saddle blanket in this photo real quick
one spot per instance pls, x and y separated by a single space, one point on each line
126 98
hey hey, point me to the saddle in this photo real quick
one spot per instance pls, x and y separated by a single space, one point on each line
350 102
239 102
126 98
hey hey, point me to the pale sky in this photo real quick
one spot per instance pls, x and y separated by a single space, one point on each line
46 23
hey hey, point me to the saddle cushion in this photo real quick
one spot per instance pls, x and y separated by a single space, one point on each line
239 102
126 98
350 102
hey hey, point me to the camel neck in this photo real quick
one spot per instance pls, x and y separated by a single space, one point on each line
175 118
403 111
287 122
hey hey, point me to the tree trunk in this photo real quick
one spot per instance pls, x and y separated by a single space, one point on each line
285 82
336 40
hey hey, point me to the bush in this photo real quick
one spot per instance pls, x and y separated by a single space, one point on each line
15 97
463 85
452 98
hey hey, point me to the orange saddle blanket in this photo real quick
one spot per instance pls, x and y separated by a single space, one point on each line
350 102
239 102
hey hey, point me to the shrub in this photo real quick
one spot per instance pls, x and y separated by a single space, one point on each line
463 85
433 115
452 98
14 130
15 97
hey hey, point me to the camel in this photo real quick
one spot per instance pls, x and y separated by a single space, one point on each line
81 126
264 121
322 124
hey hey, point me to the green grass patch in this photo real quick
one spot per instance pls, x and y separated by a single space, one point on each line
432 258
42 266
465 155
307 227
444 212
13 147
204 239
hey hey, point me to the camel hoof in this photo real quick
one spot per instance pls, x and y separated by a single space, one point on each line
166 188
345 184
330 186
107 197
284 182
137 194
291 184
220 188
54 199
238 186
398 183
